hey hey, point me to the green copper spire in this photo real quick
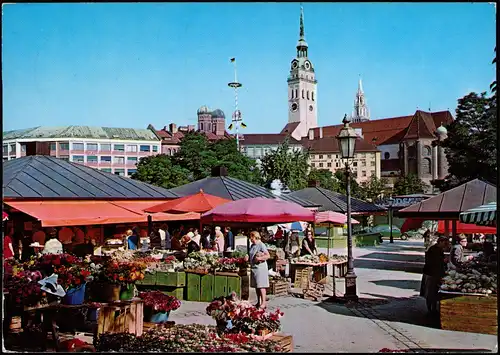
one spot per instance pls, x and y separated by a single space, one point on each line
301 22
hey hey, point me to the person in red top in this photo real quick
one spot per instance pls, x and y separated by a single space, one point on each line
279 233
8 250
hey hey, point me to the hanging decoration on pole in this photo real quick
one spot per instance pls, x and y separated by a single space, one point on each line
236 121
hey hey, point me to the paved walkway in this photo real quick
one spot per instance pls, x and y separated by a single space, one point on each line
389 315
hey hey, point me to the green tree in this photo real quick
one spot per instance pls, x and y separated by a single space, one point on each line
325 177
195 155
409 184
372 189
159 170
342 188
471 144
290 167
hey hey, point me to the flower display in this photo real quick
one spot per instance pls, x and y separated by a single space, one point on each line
231 264
159 301
244 317
48 263
72 276
24 288
122 272
183 338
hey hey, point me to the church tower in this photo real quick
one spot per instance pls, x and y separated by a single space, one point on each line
302 94
361 113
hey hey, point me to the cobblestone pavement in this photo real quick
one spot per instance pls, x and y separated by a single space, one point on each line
389 314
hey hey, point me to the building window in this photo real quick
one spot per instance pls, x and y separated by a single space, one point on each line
312 95
91 159
155 149
132 160
427 151
23 148
336 156
120 172
92 146
426 166
201 126
308 94
336 165
145 148
320 165
313 164
131 171
329 156
119 160
132 148
78 158
321 156
119 147
303 93
64 157
106 170
63 146
105 147
78 146
363 163
5 149
372 163
355 164
258 152
328 165
387 155
363 173
296 93
12 148
106 158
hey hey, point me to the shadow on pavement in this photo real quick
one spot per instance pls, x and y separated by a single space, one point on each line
410 310
394 257
388 265
403 284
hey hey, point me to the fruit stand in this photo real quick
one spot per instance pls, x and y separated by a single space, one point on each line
468 298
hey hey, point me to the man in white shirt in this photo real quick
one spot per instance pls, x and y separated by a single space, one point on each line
166 241
53 246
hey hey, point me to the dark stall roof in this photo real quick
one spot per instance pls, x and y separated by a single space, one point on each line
333 201
234 189
45 177
449 204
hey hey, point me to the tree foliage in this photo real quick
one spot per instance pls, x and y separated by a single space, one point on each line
195 160
372 189
325 178
290 167
340 175
409 184
471 145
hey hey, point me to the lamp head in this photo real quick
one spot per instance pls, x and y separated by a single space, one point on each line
347 140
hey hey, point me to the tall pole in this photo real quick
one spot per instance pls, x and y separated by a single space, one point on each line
391 238
350 277
237 114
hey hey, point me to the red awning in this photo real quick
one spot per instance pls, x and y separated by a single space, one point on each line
199 202
5 216
141 205
467 228
78 213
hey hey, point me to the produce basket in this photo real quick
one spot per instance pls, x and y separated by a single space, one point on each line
278 287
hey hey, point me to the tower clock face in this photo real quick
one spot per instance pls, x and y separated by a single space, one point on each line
295 64
294 107
307 65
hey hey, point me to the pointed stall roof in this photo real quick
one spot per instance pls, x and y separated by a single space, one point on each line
45 177
449 204
333 201
234 189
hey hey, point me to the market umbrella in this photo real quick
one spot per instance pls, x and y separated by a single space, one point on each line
485 215
331 217
199 202
258 210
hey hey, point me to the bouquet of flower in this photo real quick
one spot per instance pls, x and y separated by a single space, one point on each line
72 276
24 288
122 272
159 301
48 263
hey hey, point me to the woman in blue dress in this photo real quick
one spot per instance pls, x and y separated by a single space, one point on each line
132 239
259 274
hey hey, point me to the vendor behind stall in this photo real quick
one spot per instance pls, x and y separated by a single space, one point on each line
132 239
308 244
457 257
84 249
53 245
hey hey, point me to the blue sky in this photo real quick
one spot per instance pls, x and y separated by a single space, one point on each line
128 65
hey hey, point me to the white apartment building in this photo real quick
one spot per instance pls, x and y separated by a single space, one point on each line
114 150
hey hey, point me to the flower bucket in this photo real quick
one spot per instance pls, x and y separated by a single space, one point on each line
92 314
105 292
159 317
127 292
75 295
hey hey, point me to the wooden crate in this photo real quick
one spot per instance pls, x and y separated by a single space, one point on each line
340 269
123 317
172 279
314 291
177 292
469 313
302 276
285 340
149 279
193 287
278 288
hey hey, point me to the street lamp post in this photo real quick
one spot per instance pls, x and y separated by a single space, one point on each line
391 201
347 140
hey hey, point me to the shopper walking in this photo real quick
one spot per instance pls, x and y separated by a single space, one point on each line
259 277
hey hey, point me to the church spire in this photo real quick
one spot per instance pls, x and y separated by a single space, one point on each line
361 113
302 44
360 86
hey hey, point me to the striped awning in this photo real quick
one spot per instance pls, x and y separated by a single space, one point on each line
485 215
